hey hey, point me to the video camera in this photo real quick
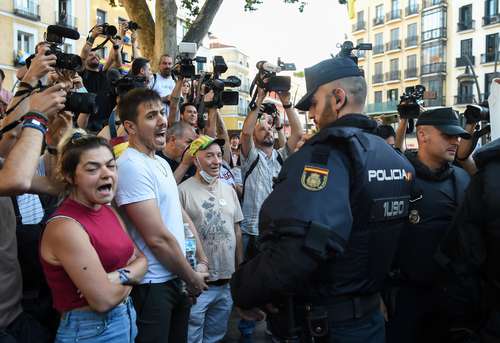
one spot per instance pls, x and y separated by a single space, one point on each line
127 83
347 47
267 79
185 67
55 37
213 82
409 105
477 112
79 102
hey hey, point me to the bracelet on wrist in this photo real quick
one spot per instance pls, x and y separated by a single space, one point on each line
36 115
287 106
116 47
33 123
279 128
51 150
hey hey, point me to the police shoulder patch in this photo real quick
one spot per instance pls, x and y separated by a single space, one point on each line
314 178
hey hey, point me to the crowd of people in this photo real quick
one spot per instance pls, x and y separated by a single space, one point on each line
147 221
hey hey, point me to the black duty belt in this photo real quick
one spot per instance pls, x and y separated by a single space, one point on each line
348 307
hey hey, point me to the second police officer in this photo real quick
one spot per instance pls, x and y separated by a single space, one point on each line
331 225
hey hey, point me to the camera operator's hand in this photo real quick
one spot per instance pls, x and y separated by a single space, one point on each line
284 97
133 36
123 28
96 31
77 81
41 64
261 95
49 102
209 97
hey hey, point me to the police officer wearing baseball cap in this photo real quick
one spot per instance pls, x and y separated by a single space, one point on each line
421 300
329 229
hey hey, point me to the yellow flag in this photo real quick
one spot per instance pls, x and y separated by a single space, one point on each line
351 8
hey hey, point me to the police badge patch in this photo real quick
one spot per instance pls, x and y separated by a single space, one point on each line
314 178
414 217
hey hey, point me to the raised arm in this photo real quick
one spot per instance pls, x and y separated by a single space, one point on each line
246 139
96 31
293 120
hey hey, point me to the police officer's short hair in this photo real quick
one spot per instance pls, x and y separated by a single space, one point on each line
355 87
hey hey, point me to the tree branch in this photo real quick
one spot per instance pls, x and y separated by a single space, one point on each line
201 24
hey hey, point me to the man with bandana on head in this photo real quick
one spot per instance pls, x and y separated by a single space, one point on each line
330 227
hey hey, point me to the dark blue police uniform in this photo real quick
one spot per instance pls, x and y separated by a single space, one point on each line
329 232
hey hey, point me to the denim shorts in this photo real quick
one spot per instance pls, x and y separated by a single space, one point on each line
116 325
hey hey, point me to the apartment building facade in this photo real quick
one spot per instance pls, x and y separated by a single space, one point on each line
393 27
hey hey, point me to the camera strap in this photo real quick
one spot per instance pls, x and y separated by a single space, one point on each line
100 46
9 127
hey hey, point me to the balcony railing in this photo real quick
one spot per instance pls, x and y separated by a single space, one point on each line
439 101
358 26
464 99
411 41
411 72
66 20
434 34
462 61
378 78
27 9
433 68
393 15
410 10
378 49
382 107
466 25
394 75
491 19
378 21
430 3
489 57
393 45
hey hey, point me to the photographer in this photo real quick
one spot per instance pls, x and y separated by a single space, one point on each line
96 80
17 177
163 83
260 163
419 298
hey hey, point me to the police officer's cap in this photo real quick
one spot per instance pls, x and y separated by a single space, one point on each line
444 119
326 71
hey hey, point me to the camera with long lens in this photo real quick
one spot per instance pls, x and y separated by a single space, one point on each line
108 30
79 102
217 85
127 83
477 112
185 60
271 109
55 37
346 49
409 105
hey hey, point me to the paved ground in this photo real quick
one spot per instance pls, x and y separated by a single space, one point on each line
233 335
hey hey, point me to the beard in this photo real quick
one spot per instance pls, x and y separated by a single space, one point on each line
327 116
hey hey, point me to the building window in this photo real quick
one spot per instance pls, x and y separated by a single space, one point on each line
392 95
434 25
411 66
29 9
101 17
379 15
466 47
491 8
394 43
377 97
379 43
360 53
395 13
26 42
433 59
492 43
378 77
465 18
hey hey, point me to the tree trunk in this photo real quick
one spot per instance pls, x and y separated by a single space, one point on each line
201 24
138 11
165 30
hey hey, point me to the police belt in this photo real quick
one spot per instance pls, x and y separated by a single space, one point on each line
345 308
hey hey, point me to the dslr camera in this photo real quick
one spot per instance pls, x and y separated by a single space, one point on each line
79 102
55 37
217 85
108 30
127 83
271 109
185 60
409 105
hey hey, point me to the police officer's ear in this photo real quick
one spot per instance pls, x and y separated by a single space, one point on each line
340 98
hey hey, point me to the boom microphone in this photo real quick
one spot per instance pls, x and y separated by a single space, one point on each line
56 32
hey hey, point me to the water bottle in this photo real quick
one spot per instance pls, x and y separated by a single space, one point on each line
190 245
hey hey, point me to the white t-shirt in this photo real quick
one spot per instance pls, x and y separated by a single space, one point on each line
142 178
163 86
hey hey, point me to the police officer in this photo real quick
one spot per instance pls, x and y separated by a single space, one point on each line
418 299
330 227
471 247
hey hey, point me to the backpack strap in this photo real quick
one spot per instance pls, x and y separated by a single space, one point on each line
247 174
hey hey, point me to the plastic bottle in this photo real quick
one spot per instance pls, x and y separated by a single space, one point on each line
190 244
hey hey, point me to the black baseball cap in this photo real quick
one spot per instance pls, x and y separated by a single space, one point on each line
326 71
445 119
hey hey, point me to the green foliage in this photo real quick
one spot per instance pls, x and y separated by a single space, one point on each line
251 5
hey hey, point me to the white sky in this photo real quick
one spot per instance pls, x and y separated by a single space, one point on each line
279 29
